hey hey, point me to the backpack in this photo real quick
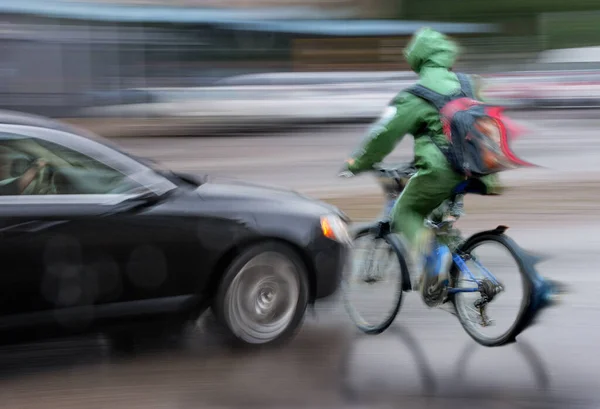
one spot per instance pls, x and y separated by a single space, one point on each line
478 134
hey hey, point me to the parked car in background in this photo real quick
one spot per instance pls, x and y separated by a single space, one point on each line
568 78
102 241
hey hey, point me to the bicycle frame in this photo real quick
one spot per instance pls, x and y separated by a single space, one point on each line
539 292
462 266
458 261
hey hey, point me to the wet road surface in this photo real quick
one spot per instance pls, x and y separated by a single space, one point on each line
564 144
424 360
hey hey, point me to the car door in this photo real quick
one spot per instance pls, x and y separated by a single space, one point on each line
75 252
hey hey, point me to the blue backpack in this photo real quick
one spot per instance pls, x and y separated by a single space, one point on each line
478 134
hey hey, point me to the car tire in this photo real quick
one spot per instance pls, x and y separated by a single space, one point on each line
263 295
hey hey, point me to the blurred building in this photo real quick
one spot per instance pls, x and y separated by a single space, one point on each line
359 8
58 56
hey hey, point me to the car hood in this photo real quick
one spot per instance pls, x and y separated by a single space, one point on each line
263 196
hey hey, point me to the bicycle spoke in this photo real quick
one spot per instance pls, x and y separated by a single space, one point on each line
489 259
372 294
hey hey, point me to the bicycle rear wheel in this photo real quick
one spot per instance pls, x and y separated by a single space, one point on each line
372 288
495 264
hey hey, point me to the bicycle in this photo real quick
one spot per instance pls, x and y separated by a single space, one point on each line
538 292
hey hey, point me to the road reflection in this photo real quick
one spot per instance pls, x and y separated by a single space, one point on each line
463 382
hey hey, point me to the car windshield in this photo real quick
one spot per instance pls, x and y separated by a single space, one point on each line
150 163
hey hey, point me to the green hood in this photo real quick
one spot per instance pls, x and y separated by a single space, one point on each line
429 48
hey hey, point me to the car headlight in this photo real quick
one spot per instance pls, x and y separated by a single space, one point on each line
334 228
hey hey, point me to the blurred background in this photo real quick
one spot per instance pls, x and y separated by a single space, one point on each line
280 91
206 60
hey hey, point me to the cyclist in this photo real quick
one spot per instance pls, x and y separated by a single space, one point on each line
431 55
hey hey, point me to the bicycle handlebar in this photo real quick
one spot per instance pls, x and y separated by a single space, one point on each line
402 171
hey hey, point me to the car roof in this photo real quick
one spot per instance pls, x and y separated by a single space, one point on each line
26 119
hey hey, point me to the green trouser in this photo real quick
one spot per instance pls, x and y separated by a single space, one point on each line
427 190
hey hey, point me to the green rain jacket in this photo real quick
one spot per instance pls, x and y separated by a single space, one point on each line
430 54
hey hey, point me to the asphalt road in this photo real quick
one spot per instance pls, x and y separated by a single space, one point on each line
424 360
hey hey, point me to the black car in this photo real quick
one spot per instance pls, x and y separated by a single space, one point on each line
95 240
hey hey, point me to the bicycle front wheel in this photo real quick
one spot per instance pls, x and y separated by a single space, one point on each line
493 264
372 288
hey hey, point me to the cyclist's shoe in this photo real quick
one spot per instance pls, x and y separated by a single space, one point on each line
434 278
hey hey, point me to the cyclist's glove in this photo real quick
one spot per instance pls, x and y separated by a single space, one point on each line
345 171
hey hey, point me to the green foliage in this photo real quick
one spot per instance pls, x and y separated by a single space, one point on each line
564 30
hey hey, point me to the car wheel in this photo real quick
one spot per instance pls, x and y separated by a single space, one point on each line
263 295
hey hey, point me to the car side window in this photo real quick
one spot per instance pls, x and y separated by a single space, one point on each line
32 166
